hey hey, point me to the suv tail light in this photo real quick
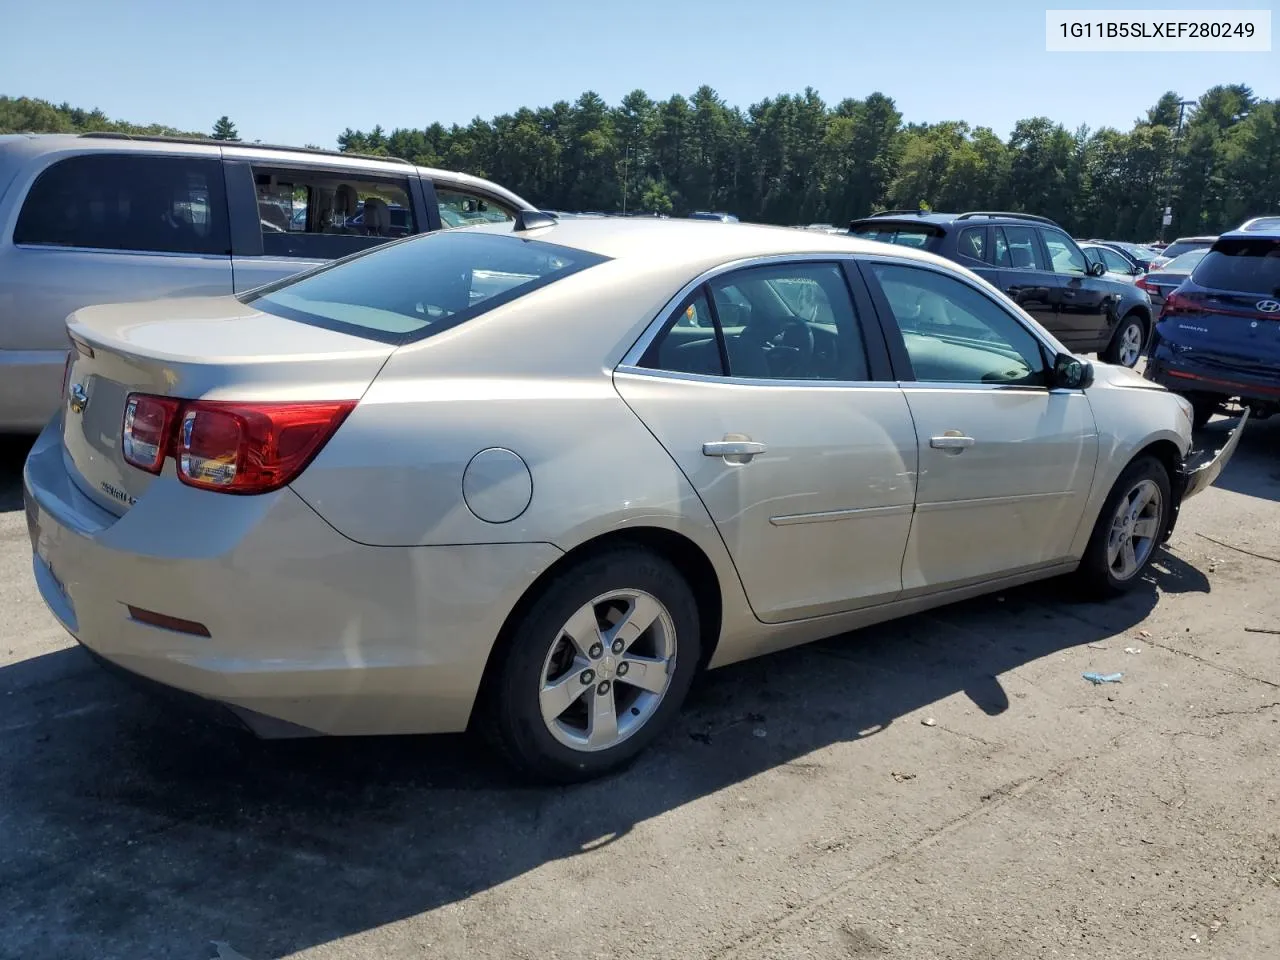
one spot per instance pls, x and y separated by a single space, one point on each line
1175 303
229 446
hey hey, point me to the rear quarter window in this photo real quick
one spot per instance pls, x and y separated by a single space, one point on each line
415 288
1242 266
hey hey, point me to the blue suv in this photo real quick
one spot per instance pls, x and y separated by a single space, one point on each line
1039 266
1218 336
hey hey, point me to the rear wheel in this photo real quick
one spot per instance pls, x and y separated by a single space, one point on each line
1128 528
595 669
1126 345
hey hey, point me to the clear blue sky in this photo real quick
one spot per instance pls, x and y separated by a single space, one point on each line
301 72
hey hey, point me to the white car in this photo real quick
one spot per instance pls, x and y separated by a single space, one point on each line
532 477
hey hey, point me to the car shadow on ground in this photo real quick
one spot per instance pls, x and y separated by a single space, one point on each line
13 453
129 824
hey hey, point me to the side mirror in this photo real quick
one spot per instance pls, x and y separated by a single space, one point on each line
1140 269
1097 268
1072 373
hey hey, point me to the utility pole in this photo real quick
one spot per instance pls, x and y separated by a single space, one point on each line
626 157
1166 217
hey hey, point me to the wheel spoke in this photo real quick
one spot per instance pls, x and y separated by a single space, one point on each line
644 610
1130 559
602 723
647 673
583 630
1146 527
556 697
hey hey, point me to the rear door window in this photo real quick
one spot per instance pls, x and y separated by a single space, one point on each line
1242 266
415 289
130 202
1016 248
326 214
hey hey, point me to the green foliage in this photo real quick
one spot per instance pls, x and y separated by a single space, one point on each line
29 115
224 129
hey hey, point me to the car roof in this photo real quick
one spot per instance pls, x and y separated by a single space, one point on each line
1205 239
690 241
1257 227
32 144
978 217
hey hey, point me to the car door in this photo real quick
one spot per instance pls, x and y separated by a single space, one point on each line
1005 462
288 217
1025 274
1084 315
97 228
784 417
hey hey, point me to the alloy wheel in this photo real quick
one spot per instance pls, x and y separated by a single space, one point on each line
608 670
1131 344
1135 527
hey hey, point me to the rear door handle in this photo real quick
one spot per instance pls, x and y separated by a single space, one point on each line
733 451
951 442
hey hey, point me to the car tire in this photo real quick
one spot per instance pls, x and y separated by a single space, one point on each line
1127 343
530 677
1106 569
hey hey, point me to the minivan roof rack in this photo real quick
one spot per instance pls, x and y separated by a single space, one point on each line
209 141
1005 213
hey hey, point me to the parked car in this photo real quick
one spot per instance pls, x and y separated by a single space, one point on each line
1035 262
100 218
1162 281
708 215
1139 253
376 499
1183 244
1218 337
1116 265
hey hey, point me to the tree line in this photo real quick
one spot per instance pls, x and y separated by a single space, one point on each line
793 159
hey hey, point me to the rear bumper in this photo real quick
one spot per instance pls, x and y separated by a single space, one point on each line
1185 371
308 631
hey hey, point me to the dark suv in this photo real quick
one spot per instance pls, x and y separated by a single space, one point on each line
1038 265
1218 336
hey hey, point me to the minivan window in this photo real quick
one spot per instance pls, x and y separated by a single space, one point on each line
130 202
1243 266
421 286
459 208
325 214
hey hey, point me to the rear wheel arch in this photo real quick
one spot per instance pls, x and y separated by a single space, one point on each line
681 552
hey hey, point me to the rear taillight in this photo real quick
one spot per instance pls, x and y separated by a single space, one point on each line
228 446
1143 283
1175 303
148 428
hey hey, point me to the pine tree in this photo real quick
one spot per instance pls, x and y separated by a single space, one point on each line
224 129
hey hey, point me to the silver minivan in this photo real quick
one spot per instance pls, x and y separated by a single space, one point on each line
108 218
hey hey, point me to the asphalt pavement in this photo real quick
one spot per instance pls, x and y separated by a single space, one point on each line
944 786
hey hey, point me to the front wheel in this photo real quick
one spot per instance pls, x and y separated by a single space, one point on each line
1128 528
1125 347
596 668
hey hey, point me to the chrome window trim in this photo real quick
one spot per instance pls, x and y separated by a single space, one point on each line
756 381
120 252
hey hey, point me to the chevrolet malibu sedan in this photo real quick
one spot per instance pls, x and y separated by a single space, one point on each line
529 478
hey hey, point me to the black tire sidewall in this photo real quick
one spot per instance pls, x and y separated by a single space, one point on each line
1094 567
513 716
1113 348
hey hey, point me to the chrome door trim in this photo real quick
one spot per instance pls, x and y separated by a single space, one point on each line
731 382
932 506
168 254
825 516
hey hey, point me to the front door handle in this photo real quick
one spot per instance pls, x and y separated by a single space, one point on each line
733 450
952 442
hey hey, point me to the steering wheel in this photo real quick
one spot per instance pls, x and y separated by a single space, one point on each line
791 351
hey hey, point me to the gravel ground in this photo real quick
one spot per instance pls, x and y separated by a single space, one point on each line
944 786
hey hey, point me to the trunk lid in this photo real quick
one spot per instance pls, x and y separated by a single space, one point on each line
214 348
1226 323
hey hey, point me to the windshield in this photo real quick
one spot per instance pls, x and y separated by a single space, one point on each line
408 290
1243 266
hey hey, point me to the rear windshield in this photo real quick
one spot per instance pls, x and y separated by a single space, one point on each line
414 288
903 235
1242 266
1185 262
1179 247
